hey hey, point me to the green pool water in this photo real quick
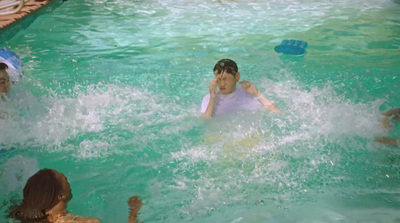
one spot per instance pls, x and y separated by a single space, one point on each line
111 95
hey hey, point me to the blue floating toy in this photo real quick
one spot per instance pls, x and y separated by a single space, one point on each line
295 47
13 62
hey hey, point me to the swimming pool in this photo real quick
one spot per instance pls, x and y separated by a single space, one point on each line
111 96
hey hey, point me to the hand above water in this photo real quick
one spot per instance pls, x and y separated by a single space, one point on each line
249 88
213 87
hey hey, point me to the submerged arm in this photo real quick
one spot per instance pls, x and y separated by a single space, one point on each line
269 105
134 205
388 141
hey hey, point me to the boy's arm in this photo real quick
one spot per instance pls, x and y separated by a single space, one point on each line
269 105
213 96
266 103
134 205
388 141
210 108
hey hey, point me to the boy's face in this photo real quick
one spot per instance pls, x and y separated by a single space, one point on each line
4 82
226 82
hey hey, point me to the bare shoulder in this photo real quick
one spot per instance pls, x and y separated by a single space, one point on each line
87 220
70 218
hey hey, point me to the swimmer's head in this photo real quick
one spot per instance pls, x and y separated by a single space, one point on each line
226 65
4 78
42 192
226 72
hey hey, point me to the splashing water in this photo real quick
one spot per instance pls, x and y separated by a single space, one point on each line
114 105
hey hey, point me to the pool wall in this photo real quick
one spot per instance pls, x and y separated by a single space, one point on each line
10 31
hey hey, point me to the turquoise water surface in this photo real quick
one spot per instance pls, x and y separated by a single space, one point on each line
111 95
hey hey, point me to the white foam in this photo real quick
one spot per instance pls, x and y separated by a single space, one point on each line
50 121
260 150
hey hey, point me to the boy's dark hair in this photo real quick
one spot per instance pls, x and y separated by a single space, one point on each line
3 66
227 65
40 195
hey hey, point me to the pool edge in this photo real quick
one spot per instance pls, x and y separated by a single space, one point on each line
10 30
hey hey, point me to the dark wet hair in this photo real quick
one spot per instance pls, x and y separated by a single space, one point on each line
227 65
3 66
40 195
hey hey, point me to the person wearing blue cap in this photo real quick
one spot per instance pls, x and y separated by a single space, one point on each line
13 65
4 80
10 71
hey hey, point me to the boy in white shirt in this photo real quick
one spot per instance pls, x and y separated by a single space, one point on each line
230 98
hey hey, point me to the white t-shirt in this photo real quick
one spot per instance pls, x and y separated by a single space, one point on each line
236 101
